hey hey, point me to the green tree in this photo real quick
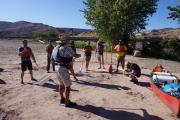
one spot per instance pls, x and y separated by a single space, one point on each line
118 19
174 13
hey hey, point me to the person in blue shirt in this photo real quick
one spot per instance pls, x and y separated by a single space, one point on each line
99 53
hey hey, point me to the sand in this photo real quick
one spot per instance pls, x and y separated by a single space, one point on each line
99 95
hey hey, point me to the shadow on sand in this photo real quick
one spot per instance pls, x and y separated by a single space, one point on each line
54 86
2 82
119 114
147 75
143 84
107 86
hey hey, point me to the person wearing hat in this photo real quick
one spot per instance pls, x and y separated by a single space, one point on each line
121 51
65 57
26 54
49 49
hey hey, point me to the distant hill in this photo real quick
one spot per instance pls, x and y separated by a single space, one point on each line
148 34
161 34
21 29
25 29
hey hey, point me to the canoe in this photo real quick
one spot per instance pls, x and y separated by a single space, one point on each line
171 101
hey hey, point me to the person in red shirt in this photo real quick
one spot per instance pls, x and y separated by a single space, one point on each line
88 52
49 50
26 54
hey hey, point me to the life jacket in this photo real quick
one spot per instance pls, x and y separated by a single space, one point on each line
58 58
27 54
158 69
120 49
100 48
88 49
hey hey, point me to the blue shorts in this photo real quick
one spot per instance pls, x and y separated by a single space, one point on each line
98 54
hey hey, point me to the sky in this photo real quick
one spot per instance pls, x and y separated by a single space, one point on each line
66 13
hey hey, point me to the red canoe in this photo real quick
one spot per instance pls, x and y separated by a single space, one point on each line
172 102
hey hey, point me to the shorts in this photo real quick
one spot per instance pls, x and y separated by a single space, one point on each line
88 58
25 65
99 54
120 58
64 77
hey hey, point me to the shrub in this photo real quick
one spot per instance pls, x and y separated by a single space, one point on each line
171 49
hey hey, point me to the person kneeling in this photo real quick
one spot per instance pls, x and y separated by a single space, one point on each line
133 71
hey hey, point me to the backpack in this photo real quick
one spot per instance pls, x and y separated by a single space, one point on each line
58 58
55 54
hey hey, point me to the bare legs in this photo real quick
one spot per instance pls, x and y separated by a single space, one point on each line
73 74
31 74
87 65
120 59
22 76
101 61
62 89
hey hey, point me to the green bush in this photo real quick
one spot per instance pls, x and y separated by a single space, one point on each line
166 49
81 44
171 49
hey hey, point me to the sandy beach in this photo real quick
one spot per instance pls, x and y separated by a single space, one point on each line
99 95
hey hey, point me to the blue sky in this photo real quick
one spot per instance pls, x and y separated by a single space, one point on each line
66 13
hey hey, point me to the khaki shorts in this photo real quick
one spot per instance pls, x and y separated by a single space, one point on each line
63 76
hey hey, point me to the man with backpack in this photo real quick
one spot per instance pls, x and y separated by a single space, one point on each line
121 51
63 54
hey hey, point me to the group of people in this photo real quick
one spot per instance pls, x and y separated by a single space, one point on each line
64 55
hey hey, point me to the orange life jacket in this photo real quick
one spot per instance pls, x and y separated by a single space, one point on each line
26 54
120 49
158 69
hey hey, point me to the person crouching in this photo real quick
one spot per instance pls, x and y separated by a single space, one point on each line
133 71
